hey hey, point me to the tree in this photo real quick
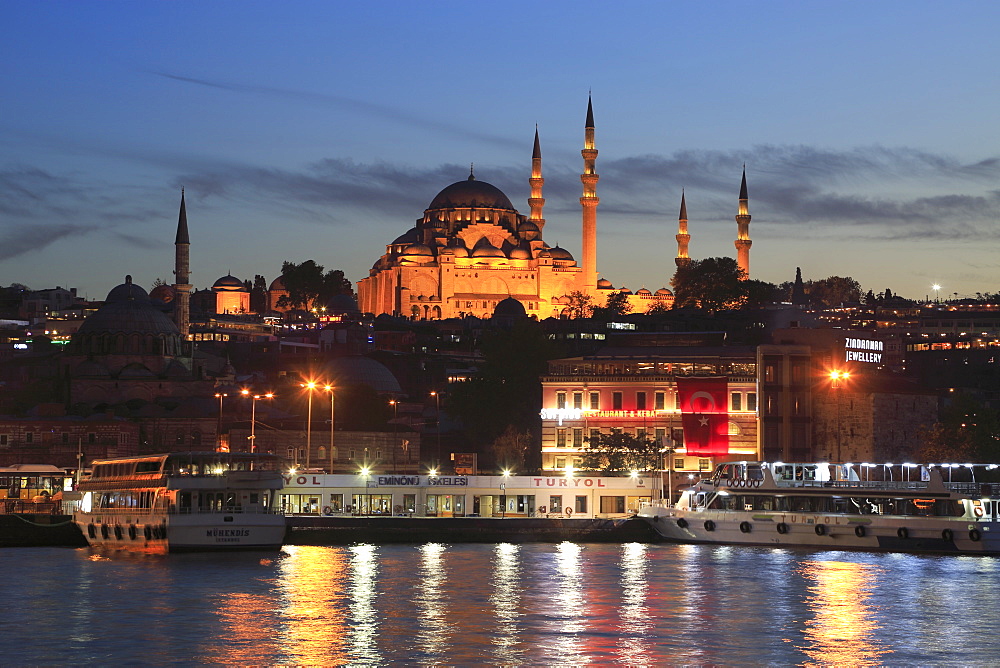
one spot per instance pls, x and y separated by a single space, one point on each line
616 306
510 448
834 291
309 287
617 452
658 308
968 430
158 282
711 284
258 295
580 305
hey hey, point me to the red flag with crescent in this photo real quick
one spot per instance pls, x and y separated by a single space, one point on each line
704 415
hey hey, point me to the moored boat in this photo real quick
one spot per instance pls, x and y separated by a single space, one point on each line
906 508
184 501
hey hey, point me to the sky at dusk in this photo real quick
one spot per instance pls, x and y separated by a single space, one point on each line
322 130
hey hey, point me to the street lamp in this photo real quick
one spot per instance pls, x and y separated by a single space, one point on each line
253 414
218 431
329 388
437 403
836 376
503 494
937 292
310 386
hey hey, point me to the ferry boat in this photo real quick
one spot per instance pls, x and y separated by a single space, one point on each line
905 508
185 501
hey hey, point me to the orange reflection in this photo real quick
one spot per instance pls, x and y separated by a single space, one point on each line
843 629
633 647
432 604
506 598
312 607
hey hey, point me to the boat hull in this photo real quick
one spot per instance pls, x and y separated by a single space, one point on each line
183 533
825 531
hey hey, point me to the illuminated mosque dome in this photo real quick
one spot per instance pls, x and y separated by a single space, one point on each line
471 194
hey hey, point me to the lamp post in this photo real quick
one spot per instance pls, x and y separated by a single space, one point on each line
329 388
836 376
253 414
310 386
437 403
218 431
395 430
937 292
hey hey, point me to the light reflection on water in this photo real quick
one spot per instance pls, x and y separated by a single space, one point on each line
537 604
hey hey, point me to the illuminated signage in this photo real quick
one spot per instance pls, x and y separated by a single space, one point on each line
863 350
561 414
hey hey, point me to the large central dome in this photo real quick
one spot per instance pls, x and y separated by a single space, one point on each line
471 194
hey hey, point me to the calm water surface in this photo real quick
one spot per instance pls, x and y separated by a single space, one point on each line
499 604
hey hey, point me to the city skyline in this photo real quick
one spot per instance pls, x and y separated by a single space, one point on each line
322 131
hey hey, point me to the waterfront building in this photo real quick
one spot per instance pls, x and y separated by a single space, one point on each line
368 493
631 386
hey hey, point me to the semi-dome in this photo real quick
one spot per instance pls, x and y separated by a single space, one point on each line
520 253
411 236
663 292
459 248
471 194
484 248
418 249
528 230
228 283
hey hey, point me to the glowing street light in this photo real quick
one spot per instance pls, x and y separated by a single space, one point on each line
937 292
218 431
253 414
836 376
310 386
329 388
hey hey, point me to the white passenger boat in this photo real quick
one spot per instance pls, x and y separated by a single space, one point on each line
183 501
906 508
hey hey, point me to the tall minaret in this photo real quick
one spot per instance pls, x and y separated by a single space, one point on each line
182 268
536 201
743 229
683 238
589 202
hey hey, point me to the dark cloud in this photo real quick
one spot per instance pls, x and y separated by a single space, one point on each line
27 239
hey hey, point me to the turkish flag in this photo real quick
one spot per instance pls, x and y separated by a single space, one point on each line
704 415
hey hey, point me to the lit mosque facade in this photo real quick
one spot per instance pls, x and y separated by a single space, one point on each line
471 250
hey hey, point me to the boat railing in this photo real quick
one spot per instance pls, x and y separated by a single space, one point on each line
854 484
26 507
249 509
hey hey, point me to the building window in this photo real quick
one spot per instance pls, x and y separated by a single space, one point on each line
613 504
679 463
751 401
65 437
578 438
703 464
595 433
578 400
581 504
555 504
560 463
616 401
660 401
29 437
640 433
560 438
640 401
4 439
92 438
595 401
769 374
560 400
735 401
123 439
661 435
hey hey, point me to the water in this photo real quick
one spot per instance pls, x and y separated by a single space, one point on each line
539 604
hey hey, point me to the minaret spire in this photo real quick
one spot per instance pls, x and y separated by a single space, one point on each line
743 241
683 238
589 202
536 201
182 267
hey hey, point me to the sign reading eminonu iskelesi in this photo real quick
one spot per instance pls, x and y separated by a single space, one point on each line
863 350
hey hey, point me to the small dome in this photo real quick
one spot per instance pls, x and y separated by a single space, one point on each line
663 292
509 308
127 291
624 290
357 370
471 194
485 249
277 285
528 231
644 292
459 248
558 253
162 293
604 284
228 283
